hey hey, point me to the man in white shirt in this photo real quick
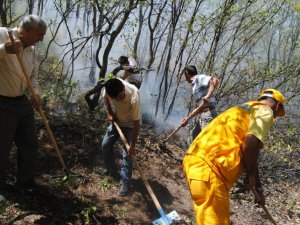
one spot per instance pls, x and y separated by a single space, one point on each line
16 111
123 104
203 87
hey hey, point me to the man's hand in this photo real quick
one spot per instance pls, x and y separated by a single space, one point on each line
251 184
37 103
111 118
260 199
131 150
13 48
206 98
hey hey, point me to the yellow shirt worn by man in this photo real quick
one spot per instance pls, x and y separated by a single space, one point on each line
218 155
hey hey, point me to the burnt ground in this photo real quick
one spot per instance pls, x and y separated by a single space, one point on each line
86 196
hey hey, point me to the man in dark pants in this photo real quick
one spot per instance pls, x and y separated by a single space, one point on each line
16 111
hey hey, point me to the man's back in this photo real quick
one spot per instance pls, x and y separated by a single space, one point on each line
222 138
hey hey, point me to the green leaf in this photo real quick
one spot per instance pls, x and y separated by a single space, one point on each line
297 8
234 8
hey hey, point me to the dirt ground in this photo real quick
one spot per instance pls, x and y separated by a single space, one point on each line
86 196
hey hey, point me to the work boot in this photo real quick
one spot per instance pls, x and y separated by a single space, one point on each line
124 189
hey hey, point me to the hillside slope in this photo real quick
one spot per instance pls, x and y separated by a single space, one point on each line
89 197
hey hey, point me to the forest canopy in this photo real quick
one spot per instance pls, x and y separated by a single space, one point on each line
250 45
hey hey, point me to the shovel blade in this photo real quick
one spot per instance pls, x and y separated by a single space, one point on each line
169 217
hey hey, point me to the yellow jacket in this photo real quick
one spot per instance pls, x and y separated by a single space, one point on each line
221 140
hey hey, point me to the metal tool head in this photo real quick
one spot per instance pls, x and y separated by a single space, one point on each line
167 219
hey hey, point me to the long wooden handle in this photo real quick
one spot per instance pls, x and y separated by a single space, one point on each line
158 206
196 111
41 112
191 115
174 132
257 196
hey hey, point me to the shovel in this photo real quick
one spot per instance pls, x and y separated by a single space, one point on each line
41 112
164 219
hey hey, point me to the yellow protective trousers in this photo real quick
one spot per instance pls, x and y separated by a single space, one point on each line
210 195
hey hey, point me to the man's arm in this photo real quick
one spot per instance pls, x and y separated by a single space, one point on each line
116 70
200 108
110 114
135 134
213 83
250 150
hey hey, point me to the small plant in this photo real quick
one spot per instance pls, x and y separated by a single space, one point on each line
107 183
66 182
2 207
88 213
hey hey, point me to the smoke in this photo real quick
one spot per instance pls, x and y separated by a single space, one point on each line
84 70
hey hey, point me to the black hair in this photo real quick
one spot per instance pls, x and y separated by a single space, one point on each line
113 87
266 97
123 60
191 69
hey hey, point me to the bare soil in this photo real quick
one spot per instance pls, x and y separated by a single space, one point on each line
86 196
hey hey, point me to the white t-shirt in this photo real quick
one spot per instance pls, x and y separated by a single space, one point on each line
200 85
132 77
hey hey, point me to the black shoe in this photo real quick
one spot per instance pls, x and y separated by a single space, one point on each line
124 190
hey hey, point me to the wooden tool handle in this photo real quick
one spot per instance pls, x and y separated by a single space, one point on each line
158 206
257 196
191 115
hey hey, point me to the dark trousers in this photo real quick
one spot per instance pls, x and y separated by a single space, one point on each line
17 125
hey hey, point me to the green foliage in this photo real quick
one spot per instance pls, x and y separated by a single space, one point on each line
66 182
234 8
88 213
281 153
3 206
110 75
59 90
107 183
297 8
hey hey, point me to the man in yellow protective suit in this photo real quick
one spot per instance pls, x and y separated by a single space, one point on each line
225 147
